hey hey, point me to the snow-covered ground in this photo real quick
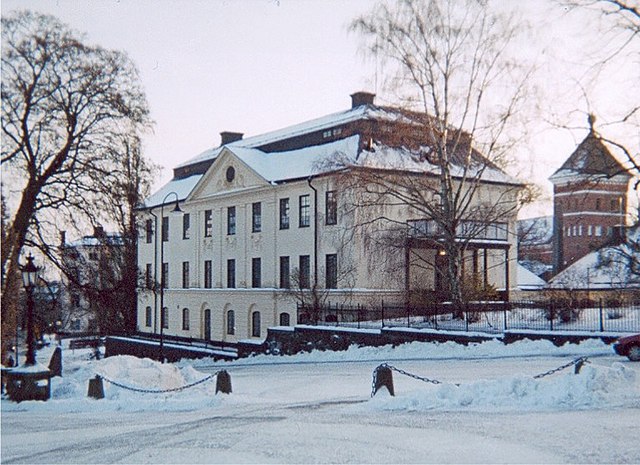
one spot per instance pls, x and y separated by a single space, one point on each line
316 408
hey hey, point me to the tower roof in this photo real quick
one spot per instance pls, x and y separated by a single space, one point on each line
590 158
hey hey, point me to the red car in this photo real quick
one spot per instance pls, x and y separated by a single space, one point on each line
629 346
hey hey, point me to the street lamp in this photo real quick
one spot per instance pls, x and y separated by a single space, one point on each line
26 382
176 209
30 275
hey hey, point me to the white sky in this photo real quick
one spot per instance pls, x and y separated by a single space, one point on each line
253 66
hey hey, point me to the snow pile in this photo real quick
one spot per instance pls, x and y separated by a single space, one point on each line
70 391
594 387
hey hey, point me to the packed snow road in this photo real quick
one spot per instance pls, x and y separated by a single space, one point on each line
314 408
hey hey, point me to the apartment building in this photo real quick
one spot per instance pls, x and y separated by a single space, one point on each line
267 220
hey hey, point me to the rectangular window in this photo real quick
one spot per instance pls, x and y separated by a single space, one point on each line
208 223
598 204
208 274
331 208
284 213
165 318
186 226
148 277
598 231
256 217
231 273
614 205
331 271
165 276
305 210
149 231
589 230
256 272
147 317
231 221
165 228
304 271
285 280
185 319
185 275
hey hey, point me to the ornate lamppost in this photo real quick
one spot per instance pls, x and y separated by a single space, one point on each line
26 382
30 275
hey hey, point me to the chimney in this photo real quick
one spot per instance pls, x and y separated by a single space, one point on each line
63 238
226 137
362 98
98 231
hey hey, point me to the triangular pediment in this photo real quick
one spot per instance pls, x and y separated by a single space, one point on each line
228 173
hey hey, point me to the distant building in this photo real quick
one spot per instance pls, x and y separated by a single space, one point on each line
93 262
535 245
589 201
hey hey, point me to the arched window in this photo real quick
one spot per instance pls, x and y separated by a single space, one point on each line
255 324
185 318
231 322
285 319
147 317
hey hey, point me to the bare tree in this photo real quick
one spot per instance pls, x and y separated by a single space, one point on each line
109 281
62 101
451 62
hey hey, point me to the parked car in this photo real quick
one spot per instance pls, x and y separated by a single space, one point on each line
629 346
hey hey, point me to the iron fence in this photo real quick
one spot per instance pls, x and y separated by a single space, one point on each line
486 317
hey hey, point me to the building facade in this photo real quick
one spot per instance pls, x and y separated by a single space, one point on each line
265 224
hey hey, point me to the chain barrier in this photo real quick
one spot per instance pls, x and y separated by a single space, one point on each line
578 362
402 372
158 391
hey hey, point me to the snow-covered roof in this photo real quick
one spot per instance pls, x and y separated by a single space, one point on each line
591 158
606 268
182 187
528 281
93 241
328 121
404 159
295 164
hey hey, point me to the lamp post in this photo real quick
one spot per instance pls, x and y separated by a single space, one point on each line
30 274
176 209
26 382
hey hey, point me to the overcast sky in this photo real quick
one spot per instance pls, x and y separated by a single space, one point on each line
254 66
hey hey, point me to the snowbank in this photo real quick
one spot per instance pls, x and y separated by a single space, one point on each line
69 393
594 387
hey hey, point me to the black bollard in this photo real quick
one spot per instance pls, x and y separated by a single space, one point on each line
383 377
96 390
223 382
55 364
579 365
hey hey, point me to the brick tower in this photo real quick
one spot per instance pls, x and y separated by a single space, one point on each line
589 200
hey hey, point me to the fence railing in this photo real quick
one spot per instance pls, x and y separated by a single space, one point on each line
491 317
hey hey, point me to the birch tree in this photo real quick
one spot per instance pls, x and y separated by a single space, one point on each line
449 64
